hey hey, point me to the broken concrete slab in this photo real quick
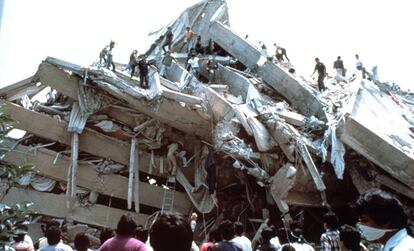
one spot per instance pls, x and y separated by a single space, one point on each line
110 184
96 215
299 94
184 119
376 129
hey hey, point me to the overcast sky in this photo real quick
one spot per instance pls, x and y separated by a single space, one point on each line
380 31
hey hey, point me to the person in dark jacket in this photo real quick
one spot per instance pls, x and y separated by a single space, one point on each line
339 67
168 40
143 71
321 69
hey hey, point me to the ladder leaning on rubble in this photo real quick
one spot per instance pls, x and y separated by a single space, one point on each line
169 193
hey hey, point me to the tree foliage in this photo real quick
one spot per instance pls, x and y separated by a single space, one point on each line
13 217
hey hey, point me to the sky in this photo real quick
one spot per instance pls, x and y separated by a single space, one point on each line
76 30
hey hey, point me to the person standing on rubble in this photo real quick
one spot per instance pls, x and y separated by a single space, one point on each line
133 62
281 53
110 59
339 67
143 71
321 69
168 40
188 38
192 65
212 67
166 62
359 66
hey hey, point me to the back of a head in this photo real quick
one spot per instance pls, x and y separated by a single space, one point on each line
53 235
226 229
350 237
288 248
106 233
267 234
126 226
378 204
215 235
50 224
331 220
141 233
238 228
283 235
171 232
82 242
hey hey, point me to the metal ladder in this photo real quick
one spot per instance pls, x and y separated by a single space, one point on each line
169 193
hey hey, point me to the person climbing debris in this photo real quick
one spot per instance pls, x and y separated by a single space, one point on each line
280 53
339 67
103 55
133 62
172 159
168 40
188 38
143 71
321 69
198 46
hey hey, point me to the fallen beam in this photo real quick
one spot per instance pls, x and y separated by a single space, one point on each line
112 185
301 96
96 215
18 90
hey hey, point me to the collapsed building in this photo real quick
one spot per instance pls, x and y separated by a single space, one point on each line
260 137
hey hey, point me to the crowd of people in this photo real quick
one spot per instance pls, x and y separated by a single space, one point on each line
381 216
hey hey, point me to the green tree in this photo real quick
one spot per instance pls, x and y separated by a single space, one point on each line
14 216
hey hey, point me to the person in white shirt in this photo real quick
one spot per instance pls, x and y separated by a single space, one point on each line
53 235
193 64
382 220
242 240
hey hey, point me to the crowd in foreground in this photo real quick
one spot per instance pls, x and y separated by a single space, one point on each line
382 220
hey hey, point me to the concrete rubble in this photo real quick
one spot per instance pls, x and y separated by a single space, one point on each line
258 137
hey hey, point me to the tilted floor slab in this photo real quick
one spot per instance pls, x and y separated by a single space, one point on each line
301 96
375 127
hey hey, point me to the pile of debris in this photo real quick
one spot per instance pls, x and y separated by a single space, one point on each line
258 137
